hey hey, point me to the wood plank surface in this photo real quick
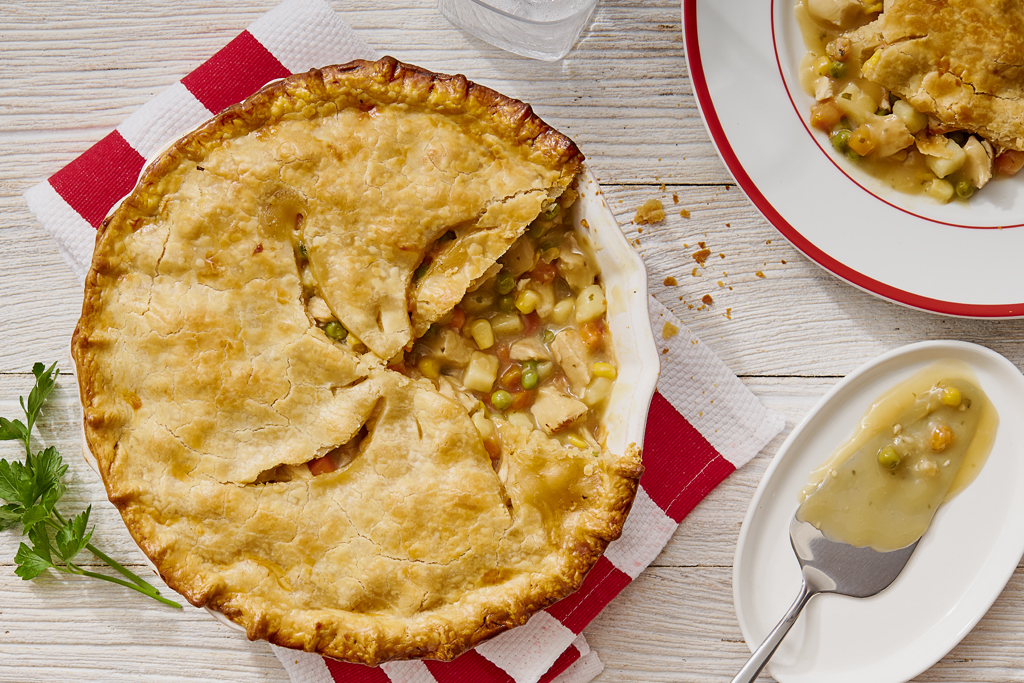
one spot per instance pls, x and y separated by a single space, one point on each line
72 70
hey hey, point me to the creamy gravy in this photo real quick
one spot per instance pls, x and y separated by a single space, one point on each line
917 446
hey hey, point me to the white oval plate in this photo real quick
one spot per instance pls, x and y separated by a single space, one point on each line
949 259
954 576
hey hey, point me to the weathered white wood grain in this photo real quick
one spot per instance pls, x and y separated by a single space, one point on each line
72 70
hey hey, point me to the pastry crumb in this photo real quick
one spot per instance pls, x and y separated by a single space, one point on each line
652 211
760 274
685 213
670 281
675 199
728 313
669 330
707 299
662 187
701 256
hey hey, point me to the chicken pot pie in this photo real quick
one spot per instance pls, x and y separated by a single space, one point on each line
927 95
342 360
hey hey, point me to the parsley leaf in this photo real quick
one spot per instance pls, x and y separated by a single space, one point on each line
30 563
12 429
31 490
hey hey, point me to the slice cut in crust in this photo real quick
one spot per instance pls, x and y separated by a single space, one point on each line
207 386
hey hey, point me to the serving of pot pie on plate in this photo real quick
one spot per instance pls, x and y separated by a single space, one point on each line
927 95
344 365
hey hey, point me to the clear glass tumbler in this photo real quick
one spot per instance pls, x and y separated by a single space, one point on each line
541 29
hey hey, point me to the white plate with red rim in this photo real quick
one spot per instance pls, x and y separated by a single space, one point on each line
959 568
958 259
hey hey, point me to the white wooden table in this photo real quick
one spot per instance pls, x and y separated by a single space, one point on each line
70 70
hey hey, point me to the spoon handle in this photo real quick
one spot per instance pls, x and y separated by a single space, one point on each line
766 649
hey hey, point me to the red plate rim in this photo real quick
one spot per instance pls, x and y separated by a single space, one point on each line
805 246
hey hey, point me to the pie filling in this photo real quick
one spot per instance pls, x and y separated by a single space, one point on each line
343 362
909 98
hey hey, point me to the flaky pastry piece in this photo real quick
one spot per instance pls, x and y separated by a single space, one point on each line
961 61
207 386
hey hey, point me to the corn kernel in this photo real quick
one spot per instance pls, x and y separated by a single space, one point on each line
871 63
577 441
605 370
482 333
951 396
527 301
430 367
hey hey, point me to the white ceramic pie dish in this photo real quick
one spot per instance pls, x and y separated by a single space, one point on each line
625 279
959 568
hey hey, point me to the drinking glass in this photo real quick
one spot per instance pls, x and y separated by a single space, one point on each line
541 29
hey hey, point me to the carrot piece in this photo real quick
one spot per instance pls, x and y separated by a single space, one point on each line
458 318
825 115
510 378
532 322
592 334
322 465
861 141
521 399
1009 162
544 272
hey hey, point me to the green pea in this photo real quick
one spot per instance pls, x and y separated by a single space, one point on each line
421 270
302 250
888 457
504 283
549 336
530 378
841 140
501 399
851 155
335 330
964 189
506 303
552 211
837 70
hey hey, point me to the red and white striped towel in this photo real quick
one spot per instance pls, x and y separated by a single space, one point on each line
702 425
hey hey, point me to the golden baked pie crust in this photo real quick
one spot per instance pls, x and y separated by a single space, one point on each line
961 61
201 372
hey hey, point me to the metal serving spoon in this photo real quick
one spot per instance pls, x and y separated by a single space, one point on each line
827 567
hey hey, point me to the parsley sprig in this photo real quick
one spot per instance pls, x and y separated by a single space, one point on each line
31 490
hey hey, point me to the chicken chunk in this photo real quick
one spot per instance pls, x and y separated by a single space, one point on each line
554 411
529 349
453 348
572 355
978 167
